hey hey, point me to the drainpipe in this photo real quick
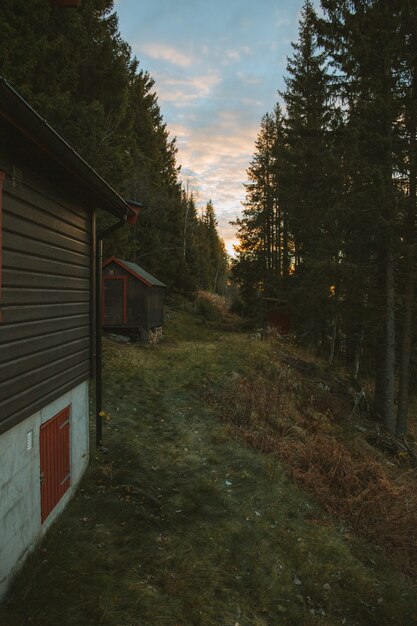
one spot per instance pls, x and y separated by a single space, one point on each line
126 219
99 320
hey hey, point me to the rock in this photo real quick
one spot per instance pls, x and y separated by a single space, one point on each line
119 338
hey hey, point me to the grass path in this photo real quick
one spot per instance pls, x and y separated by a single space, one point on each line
179 525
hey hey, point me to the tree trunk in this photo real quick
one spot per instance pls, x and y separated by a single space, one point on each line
285 255
187 207
357 354
410 261
379 389
389 415
216 277
406 343
334 338
385 111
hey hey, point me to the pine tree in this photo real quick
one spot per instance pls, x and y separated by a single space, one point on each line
362 39
307 176
213 256
262 252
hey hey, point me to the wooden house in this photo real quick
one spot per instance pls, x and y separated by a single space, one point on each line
133 299
48 271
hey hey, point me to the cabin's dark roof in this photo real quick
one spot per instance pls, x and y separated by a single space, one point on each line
136 270
27 121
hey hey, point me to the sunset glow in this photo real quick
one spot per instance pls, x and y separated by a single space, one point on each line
217 68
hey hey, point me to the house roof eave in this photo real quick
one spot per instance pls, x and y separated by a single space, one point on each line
19 113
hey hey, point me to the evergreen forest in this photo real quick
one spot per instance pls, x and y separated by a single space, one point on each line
329 219
74 69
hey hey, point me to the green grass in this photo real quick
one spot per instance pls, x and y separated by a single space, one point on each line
179 524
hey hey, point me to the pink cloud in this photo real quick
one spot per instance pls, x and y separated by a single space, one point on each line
164 52
217 156
183 91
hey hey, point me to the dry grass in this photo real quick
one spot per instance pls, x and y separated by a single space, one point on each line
217 301
275 411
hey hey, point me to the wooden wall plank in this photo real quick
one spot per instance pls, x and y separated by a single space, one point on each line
31 230
26 262
18 242
22 331
28 405
41 342
42 280
23 313
19 296
34 361
11 390
49 220
46 301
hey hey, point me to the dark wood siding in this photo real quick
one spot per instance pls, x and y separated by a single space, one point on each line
156 307
138 303
114 300
46 297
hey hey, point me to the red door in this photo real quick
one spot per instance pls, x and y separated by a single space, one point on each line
55 461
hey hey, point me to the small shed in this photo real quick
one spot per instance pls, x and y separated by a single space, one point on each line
133 299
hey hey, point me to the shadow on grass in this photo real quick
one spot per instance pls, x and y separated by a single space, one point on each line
179 525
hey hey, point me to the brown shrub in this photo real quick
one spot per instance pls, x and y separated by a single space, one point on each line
348 482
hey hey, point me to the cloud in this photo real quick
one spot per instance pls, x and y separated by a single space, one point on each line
249 79
183 91
215 156
164 52
282 19
233 55
217 69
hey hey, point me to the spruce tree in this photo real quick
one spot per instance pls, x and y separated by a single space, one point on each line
362 40
307 173
262 230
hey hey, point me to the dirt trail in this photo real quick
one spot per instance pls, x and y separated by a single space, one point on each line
180 525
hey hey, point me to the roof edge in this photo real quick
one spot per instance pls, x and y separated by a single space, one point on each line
20 114
120 263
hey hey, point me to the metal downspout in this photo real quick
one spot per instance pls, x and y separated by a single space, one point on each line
99 322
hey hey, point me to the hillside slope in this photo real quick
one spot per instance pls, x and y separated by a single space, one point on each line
201 512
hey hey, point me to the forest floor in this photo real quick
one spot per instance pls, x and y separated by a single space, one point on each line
241 488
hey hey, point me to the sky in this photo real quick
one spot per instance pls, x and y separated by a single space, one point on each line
217 66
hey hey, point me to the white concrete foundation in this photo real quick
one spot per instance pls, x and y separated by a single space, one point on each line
20 495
